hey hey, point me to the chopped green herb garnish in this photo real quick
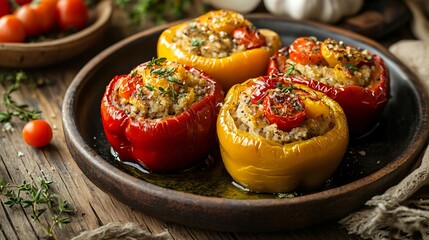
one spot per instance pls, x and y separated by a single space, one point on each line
288 89
313 38
351 67
151 88
170 91
141 93
173 93
195 42
291 70
162 71
174 80
274 109
163 91
134 73
296 105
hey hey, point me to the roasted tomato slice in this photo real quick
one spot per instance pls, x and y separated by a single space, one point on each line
250 37
306 50
260 91
284 108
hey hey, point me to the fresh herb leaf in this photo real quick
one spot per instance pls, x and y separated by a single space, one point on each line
174 80
162 71
12 109
169 91
163 91
156 62
195 42
351 67
313 38
291 70
151 88
133 74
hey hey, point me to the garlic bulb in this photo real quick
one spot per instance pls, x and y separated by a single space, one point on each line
241 6
328 11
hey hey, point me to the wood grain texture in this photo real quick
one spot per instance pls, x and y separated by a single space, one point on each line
93 207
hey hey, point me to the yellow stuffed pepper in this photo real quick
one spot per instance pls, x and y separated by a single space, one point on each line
223 44
276 136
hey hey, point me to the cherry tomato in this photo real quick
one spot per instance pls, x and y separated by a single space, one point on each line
284 108
250 37
72 14
128 85
5 8
37 133
46 9
11 29
306 50
30 18
23 2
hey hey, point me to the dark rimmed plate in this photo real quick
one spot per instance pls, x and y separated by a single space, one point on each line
372 163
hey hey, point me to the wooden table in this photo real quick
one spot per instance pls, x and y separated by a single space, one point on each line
95 208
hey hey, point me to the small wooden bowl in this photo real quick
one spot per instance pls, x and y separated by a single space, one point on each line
32 55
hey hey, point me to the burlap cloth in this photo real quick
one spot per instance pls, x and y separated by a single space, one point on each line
392 215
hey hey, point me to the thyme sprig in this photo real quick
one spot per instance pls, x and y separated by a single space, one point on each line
169 91
156 61
12 109
351 67
162 71
39 198
291 70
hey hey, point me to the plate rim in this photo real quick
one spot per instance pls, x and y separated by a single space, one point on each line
77 144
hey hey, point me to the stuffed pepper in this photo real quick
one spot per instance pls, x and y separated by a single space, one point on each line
277 136
222 43
357 79
162 115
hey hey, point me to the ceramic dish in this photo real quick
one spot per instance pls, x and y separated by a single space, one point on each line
205 197
39 54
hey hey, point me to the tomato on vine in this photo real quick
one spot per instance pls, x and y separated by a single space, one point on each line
46 9
30 19
37 133
23 2
5 8
72 14
11 29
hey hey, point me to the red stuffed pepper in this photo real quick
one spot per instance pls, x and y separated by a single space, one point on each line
162 115
355 78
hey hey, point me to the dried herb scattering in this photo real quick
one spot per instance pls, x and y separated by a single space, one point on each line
39 198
